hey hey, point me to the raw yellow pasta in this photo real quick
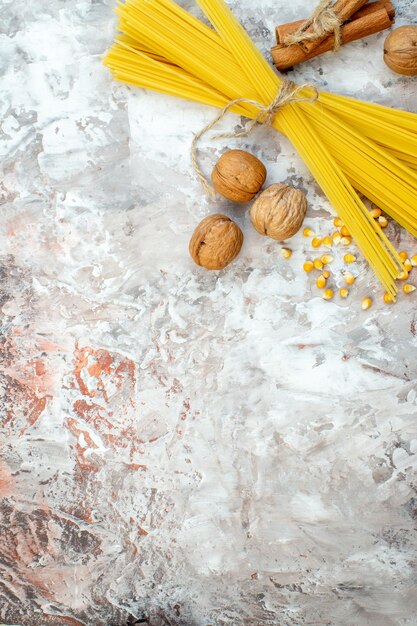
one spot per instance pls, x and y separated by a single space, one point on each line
348 145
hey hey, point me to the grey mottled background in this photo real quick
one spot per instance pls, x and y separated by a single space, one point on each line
195 448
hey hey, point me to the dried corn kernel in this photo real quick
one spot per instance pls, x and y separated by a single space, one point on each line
326 274
316 242
346 241
344 232
326 259
327 241
383 222
337 222
308 232
286 253
308 266
414 260
328 294
408 288
403 275
349 278
318 265
321 282
403 256
408 265
366 303
375 213
349 258
337 238
344 292
388 298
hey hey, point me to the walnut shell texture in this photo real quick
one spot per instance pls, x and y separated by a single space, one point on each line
216 241
400 50
238 175
279 211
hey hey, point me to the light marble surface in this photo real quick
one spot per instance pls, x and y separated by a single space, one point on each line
196 448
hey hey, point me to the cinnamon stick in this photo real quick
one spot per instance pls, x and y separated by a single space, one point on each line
344 9
287 29
371 7
287 56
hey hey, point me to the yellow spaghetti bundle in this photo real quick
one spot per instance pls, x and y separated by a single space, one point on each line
348 145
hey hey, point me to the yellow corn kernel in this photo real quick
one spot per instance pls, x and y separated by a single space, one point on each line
326 259
308 266
344 292
346 241
326 274
408 265
328 294
318 265
403 256
344 232
316 242
403 275
308 232
375 213
414 260
388 298
366 303
321 282
408 288
286 253
337 222
337 237
327 241
349 258
383 222
349 278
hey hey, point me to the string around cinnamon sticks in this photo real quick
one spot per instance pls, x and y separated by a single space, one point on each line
327 18
323 21
284 30
368 20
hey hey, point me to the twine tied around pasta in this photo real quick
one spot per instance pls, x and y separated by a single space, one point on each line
288 93
323 21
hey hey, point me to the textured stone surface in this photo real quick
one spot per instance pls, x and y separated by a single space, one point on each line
195 448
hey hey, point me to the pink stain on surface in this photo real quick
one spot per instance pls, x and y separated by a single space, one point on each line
84 443
103 409
28 382
7 481
36 408
44 547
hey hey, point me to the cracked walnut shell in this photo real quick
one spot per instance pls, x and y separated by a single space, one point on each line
216 241
279 211
238 175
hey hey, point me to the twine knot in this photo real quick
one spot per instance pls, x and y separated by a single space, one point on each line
323 21
288 93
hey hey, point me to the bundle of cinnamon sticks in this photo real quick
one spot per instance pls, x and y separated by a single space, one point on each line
358 19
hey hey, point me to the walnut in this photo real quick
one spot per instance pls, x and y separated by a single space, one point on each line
216 241
238 175
279 211
400 50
